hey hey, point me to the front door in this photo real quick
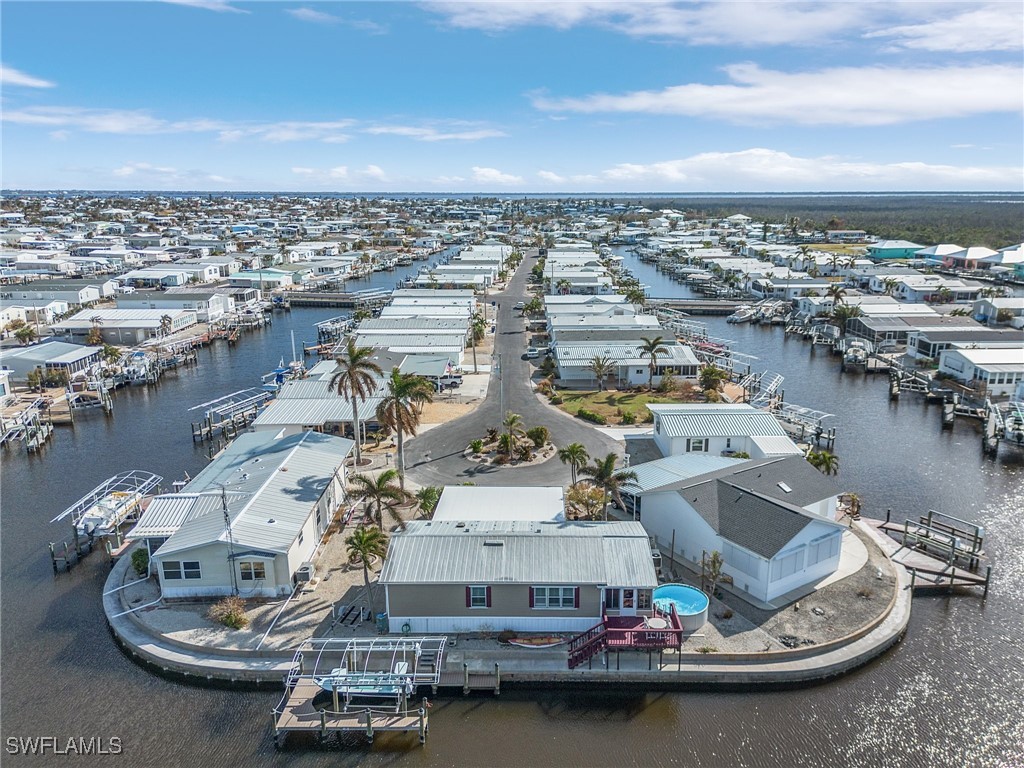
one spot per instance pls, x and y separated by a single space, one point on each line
628 603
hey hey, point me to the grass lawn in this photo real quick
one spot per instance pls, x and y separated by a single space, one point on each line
849 249
609 402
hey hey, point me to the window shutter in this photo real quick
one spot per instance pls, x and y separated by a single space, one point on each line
469 597
531 597
488 598
576 598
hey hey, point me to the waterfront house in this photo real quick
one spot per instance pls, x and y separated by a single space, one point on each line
50 355
969 258
719 429
771 519
988 311
209 306
928 343
629 367
995 368
126 326
77 293
936 254
444 576
251 521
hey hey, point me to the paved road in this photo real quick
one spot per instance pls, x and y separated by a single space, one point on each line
435 457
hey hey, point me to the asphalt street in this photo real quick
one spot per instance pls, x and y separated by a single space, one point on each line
436 457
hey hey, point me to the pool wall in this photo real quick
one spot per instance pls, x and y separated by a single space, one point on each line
691 620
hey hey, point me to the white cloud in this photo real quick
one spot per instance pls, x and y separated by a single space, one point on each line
338 172
962 146
300 171
374 172
839 96
60 135
765 169
432 134
554 178
494 176
996 27
220 6
699 23
131 169
140 122
319 17
11 76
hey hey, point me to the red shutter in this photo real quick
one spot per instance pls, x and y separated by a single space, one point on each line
576 598
531 597
488 598
469 598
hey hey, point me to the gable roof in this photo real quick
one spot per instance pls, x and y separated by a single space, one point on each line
714 420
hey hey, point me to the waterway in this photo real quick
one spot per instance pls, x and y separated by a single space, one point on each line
950 694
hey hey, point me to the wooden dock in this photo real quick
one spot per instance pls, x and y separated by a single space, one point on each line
719 307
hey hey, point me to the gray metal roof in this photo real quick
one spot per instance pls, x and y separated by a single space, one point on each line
272 485
439 341
424 324
166 513
622 354
314 411
656 474
700 420
520 552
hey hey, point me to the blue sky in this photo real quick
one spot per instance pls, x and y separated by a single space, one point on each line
508 97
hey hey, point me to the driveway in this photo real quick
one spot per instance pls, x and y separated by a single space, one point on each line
435 457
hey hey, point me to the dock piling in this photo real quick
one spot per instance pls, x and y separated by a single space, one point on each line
497 679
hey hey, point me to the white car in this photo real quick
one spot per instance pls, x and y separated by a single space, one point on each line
520 305
532 352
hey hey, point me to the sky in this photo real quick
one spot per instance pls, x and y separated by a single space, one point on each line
505 97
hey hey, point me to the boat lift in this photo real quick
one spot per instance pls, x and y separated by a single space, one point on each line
328 673
228 413
117 498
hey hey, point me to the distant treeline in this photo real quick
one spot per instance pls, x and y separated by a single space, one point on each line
921 219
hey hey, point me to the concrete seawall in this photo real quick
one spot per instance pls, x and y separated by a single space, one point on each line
799 666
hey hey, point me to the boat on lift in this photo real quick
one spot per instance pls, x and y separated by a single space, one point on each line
111 504
856 354
743 314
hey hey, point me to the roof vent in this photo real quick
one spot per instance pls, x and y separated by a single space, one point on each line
785 487
493 543
271 521
460 525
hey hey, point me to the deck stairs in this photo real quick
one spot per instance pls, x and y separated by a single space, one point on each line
588 644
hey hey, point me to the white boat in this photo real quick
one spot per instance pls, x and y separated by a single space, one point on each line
107 506
856 353
743 314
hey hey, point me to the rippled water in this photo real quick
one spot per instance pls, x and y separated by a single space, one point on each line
951 694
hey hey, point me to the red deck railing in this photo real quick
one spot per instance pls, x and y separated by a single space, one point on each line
625 633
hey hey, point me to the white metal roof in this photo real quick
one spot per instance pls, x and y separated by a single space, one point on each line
501 503
571 553
709 420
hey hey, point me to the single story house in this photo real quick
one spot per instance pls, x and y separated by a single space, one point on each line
720 429
771 519
988 310
997 368
50 355
893 249
126 326
629 368
443 576
281 494
208 306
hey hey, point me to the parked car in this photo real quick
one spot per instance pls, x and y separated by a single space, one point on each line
532 352
450 381
520 305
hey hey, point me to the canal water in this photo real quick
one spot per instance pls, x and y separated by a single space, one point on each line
950 694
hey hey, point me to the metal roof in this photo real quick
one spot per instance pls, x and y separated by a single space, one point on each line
166 514
730 420
272 486
622 354
314 411
776 445
577 553
652 475
491 503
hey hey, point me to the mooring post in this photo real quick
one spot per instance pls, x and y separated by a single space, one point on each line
988 577
465 678
334 698
53 559
323 724
913 578
369 726
497 679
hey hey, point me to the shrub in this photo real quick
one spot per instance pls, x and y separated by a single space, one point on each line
741 455
476 446
727 613
707 649
593 418
648 417
140 561
629 418
865 593
230 612
556 399
505 635
539 436
492 434
712 396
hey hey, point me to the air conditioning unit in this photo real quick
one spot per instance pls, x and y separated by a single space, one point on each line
305 572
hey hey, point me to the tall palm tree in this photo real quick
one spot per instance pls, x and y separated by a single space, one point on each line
576 456
600 367
889 285
428 496
356 379
477 325
711 376
652 348
843 313
563 286
837 293
513 424
403 394
603 474
379 493
363 546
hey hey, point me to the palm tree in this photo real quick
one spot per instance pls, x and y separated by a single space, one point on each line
576 456
824 461
356 379
711 376
364 545
513 424
379 493
653 348
563 286
26 334
600 367
95 335
603 474
428 496
889 285
636 295
477 325
843 313
166 325
837 293
398 410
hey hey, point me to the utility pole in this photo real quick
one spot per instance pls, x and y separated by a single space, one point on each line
231 539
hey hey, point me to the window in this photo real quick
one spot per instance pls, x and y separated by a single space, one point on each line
253 571
300 537
823 548
478 597
172 569
611 599
553 597
697 444
787 565
742 561
643 599
192 569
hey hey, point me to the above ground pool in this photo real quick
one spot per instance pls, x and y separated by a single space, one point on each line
691 604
